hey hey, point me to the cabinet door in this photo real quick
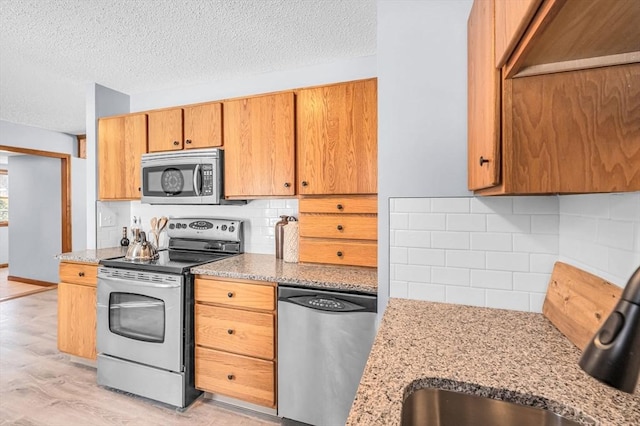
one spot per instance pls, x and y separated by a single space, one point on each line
511 20
337 137
483 119
165 130
121 143
259 146
77 320
203 126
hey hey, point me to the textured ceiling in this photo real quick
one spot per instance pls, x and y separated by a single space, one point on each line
51 49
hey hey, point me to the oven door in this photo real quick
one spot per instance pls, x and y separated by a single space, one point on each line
140 317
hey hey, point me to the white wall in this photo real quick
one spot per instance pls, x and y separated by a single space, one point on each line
35 215
4 231
422 108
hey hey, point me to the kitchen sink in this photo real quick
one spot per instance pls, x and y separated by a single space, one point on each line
437 407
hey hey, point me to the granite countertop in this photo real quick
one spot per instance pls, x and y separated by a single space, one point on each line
93 256
509 355
265 267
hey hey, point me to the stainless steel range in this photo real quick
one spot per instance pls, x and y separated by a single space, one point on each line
145 311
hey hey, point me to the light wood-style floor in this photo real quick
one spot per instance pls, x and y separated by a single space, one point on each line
13 289
41 386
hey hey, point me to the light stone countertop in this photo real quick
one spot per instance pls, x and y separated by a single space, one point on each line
93 256
509 355
265 267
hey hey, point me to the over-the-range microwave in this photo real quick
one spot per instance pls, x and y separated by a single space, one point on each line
182 177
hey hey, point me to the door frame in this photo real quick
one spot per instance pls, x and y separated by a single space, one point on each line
65 188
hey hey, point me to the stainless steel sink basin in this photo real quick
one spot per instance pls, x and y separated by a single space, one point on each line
437 407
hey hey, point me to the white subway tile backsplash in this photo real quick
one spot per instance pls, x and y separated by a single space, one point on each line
509 223
450 205
531 282
502 261
491 241
427 221
398 289
465 259
450 240
533 205
492 279
431 257
507 300
412 238
429 292
500 251
466 222
499 205
466 296
535 243
408 205
452 276
545 224
615 233
416 273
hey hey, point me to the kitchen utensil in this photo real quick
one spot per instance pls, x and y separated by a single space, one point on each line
280 235
142 250
162 223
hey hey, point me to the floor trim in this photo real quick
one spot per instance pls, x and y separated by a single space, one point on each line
30 281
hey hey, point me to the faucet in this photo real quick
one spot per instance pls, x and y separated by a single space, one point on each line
613 354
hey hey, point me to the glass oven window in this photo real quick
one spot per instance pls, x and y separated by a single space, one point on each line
137 317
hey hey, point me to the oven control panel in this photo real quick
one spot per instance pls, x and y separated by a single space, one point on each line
205 228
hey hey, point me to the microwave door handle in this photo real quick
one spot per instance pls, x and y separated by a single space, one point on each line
197 181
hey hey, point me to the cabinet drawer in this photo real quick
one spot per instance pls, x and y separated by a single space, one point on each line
339 204
356 253
354 227
237 376
234 293
79 273
234 330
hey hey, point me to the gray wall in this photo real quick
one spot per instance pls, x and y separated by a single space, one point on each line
422 107
4 231
34 214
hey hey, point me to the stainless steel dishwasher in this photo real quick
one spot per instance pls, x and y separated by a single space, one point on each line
324 339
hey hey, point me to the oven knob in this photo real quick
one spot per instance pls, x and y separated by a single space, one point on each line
232 228
223 227
172 226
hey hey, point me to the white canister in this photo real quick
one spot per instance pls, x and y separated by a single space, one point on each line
291 241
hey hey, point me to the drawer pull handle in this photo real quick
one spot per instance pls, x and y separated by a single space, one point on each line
229 294
340 207
339 228
176 143
81 274
230 376
339 254
483 160
188 141
230 331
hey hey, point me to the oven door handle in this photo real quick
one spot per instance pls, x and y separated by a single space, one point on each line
136 283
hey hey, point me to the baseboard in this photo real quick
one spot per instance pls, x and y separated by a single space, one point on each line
30 281
4 265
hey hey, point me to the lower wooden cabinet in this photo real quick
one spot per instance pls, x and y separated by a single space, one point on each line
235 337
77 309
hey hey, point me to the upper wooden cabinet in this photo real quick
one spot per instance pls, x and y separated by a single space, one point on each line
189 127
549 112
337 143
259 146
121 142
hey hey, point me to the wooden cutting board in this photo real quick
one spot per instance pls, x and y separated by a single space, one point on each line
577 302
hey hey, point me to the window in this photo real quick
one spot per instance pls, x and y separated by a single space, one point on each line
4 197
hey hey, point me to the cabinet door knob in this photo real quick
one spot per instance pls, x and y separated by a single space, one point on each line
287 184
340 207
176 143
339 228
188 141
339 254
305 183
230 331
81 274
483 160
229 294
230 376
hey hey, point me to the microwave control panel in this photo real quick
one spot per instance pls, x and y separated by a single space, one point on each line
207 179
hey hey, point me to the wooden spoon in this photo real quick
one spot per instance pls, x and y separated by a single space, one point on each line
154 223
162 223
